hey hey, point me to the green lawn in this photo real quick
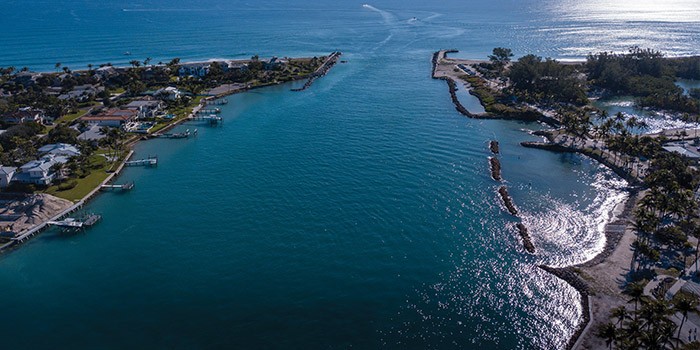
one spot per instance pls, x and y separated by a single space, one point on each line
69 118
98 165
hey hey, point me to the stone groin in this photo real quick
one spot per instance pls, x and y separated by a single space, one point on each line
493 146
495 166
321 71
507 200
525 236
555 147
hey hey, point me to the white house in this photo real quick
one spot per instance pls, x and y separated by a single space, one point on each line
60 149
39 171
146 108
198 69
169 93
6 174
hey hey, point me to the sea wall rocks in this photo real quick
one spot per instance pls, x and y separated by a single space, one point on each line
525 236
323 70
494 147
495 166
555 147
507 200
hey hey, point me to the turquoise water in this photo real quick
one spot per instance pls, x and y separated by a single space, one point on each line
357 214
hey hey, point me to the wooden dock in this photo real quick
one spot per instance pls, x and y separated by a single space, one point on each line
218 102
211 118
77 224
209 111
150 162
179 135
124 187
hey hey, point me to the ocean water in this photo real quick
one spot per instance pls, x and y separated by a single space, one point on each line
357 214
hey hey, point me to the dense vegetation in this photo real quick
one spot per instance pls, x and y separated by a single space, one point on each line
546 81
646 74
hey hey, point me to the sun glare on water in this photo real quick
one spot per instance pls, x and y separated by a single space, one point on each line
632 10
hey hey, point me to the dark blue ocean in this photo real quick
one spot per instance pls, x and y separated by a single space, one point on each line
357 214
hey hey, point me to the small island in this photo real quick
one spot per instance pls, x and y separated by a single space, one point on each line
645 282
65 135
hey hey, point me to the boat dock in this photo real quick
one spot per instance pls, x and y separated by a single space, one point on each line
209 111
124 187
179 135
150 161
76 224
218 102
211 118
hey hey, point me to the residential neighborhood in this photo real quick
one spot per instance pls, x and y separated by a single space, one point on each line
59 129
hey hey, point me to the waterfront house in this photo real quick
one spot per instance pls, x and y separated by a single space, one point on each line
112 118
6 174
24 115
169 93
60 149
82 93
39 172
198 69
105 72
146 108
26 78
236 66
274 63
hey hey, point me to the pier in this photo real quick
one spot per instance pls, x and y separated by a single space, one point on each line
179 135
124 187
150 162
209 111
211 118
72 224
218 102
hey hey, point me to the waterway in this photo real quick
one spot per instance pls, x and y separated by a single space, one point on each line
359 213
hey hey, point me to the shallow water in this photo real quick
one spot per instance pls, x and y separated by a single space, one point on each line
359 213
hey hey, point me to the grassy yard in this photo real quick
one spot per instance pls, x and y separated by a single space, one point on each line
182 112
98 167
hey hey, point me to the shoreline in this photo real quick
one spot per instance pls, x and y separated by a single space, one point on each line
582 277
130 143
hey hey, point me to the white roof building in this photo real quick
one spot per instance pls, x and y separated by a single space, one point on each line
60 149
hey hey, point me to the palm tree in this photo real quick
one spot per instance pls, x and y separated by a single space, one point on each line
621 314
684 304
636 292
608 332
